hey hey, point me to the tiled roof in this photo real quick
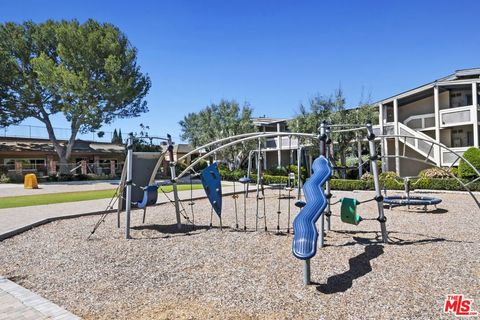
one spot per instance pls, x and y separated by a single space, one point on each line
42 145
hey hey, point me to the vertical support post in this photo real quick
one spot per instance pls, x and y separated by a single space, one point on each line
174 182
383 141
279 146
259 173
249 171
328 211
397 132
436 104
475 114
359 154
306 272
299 172
128 200
323 152
376 179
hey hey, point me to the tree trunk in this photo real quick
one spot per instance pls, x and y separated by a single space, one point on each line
63 151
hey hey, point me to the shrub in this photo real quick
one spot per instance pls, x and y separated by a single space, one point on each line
233 175
303 171
202 164
444 184
473 156
390 180
349 185
278 171
4 178
367 176
454 171
435 173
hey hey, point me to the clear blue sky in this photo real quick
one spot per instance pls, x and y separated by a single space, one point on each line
275 54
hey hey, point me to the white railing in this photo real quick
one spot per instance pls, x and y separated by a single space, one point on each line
449 158
456 116
421 121
283 143
423 147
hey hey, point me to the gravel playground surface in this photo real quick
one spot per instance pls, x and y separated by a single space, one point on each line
207 273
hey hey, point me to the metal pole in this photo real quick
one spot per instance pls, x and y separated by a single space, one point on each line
174 182
359 154
249 170
328 194
299 172
323 146
306 272
378 193
128 201
258 181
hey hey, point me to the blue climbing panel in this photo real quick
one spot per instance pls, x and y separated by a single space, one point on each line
304 244
211 182
150 195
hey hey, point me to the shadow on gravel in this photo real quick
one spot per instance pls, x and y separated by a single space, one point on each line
359 266
393 239
173 229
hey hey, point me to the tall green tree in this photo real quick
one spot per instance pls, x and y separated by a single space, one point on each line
115 136
88 72
219 121
120 138
333 109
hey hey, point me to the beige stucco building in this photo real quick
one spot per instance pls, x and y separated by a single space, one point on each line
445 110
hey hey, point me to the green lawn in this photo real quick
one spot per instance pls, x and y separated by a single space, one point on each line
51 198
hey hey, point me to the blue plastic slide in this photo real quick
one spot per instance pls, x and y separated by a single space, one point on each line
212 184
305 231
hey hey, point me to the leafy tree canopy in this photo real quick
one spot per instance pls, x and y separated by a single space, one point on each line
87 72
219 121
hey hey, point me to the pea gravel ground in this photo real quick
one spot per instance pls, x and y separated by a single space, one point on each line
211 274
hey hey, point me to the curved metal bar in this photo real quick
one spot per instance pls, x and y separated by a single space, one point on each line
215 142
441 168
349 130
346 125
434 143
258 136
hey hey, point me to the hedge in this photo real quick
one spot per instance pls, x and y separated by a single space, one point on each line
473 156
387 181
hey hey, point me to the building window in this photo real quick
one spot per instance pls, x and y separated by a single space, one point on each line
27 164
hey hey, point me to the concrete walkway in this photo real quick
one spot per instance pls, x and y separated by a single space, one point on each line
10 189
19 303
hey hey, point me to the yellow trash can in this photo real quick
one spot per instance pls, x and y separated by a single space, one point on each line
30 181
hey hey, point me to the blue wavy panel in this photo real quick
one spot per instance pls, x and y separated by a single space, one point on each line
304 244
211 181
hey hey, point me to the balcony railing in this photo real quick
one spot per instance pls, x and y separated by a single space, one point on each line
448 158
420 121
456 116
282 143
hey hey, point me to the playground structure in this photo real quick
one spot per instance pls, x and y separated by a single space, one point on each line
408 200
317 204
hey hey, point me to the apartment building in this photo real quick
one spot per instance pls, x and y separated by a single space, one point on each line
445 110
279 151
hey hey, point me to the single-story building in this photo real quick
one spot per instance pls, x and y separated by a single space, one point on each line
25 155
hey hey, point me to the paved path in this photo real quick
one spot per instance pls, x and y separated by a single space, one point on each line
19 303
10 189
17 220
